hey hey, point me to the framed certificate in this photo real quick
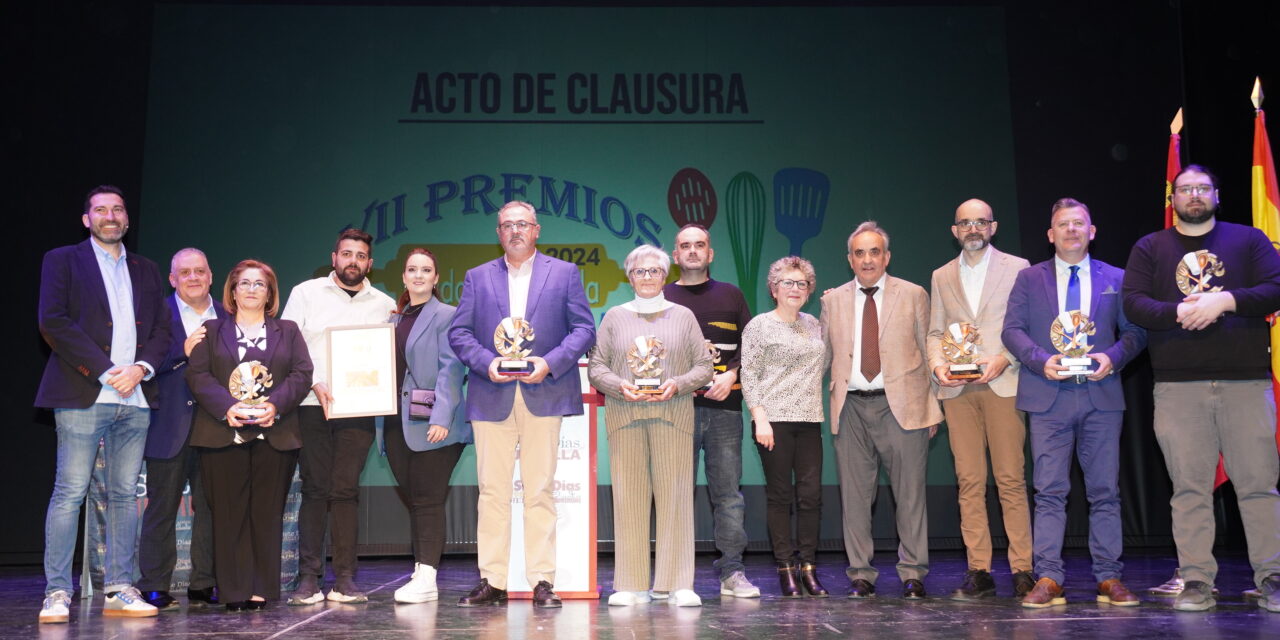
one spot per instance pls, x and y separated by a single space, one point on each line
362 370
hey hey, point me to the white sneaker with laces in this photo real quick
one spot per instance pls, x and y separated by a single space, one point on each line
56 607
128 603
421 587
738 586
628 598
685 598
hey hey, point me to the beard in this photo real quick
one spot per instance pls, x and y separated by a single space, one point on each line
351 276
1189 216
974 242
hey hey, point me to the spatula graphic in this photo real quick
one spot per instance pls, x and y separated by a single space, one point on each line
799 204
691 198
744 207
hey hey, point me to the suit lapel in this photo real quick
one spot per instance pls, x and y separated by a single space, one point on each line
1050 280
953 282
135 282
273 340
538 280
92 274
501 288
228 337
1096 285
890 303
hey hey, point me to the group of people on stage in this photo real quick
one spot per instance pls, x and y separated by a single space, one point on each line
994 340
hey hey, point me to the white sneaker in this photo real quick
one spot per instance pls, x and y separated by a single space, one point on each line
421 587
307 593
628 598
128 603
55 608
738 586
685 598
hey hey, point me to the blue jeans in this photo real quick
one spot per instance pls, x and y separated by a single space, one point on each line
124 430
718 433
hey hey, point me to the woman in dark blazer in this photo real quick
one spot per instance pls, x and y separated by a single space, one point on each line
423 452
247 458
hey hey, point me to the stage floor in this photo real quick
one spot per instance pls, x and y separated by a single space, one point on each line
885 616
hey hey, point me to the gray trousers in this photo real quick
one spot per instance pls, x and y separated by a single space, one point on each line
869 436
1194 421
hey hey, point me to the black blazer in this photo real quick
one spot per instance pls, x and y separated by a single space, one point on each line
210 366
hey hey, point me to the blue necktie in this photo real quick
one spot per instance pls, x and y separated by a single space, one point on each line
1073 290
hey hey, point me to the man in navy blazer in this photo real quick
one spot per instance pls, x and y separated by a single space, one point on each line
171 462
1081 411
102 313
507 411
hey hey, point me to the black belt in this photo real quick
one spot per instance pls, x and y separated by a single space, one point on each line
866 394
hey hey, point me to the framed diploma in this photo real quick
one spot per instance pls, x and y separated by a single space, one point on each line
362 370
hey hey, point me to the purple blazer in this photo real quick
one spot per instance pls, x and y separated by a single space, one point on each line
1033 304
564 330
171 422
210 367
75 319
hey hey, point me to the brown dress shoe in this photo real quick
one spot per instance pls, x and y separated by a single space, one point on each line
1114 592
484 595
1047 593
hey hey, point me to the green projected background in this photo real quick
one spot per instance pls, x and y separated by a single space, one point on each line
271 128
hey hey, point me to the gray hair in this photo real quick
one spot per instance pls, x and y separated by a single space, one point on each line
646 251
173 262
518 204
791 262
1069 203
871 226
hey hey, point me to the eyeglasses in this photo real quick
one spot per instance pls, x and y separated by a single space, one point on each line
651 272
1197 189
981 223
519 225
802 285
251 285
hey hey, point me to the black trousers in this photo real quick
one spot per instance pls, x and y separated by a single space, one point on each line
422 479
157 545
797 451
333 456
247 485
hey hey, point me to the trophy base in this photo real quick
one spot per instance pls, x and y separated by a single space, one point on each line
515 367
964 372
649 386
1078 367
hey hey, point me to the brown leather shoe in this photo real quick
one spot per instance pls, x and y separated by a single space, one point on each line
484 595
1114 592
1047 593
544 596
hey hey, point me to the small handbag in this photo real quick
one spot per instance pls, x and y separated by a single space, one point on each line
421 402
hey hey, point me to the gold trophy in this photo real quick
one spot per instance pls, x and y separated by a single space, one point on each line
248 384
645 360
513 338
1196 271
1069 334
715 366
960 348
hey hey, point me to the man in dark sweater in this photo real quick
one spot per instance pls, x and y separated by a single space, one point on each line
1203 290
722 313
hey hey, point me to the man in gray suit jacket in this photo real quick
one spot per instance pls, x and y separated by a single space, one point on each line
972 289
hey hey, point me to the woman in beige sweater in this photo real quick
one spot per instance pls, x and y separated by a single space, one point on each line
648 360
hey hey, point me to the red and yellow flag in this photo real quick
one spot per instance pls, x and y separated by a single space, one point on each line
1266 212
1172 166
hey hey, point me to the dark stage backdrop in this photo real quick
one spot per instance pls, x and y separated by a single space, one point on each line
261 130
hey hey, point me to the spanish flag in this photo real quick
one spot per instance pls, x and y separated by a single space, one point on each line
1172 167
1266 212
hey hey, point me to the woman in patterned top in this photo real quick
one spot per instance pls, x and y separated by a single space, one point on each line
783 359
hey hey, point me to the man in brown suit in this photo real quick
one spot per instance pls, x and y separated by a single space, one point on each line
974 288
882 408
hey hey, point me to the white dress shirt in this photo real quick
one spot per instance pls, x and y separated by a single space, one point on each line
857 381
518 279
972 279
192 319
1086 284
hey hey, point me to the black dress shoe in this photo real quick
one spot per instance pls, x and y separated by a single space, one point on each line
239 605
977 585
544 596
197 598
788 580
160 599
1023 583
809 578
913 589
484 595
861 589
255 605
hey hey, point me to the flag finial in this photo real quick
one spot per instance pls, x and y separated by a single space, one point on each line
1175 127
1256 96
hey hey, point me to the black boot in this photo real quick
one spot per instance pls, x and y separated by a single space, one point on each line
809 578
787 580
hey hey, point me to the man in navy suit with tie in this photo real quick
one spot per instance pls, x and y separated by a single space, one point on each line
1084 412
102 313
171 462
